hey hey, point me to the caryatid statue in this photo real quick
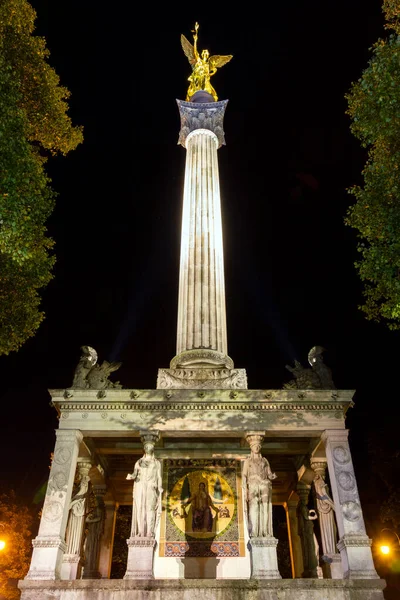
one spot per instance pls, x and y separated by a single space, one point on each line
203 65
147 490
257 480
326 509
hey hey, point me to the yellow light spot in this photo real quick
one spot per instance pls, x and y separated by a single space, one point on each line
385 549
2 544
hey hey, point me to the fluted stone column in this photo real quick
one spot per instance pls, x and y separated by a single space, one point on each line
201 352
354 544
49 545
201 306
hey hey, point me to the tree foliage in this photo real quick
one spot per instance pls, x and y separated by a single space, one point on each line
15 524
374 108
33 125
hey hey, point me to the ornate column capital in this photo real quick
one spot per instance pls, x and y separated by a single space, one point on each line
330 436
303 490
83 466
255 437
202 115
319 466
151 437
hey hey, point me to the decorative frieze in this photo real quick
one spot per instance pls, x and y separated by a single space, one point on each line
192 405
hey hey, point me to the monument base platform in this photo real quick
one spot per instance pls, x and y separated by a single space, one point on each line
204 589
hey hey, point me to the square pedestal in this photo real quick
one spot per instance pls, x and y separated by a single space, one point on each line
264 562
140 558
70 566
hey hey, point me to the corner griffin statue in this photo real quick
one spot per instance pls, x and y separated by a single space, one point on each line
90 375
204 66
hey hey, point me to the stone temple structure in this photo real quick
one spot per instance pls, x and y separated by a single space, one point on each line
203 460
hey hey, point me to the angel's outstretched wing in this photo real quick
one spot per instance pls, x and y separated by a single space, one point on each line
188 50
219 61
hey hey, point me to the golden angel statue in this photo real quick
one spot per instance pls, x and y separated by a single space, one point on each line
203 66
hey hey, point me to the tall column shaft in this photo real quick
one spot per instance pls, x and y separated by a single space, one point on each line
201 307
201 359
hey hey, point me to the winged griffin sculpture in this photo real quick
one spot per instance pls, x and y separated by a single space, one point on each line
90 375
204 66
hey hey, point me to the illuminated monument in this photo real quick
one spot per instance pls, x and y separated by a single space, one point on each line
201 459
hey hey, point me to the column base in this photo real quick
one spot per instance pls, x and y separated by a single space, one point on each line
332 566
355 551
202 379
46 557
264 561
140 558
202 368
70 566
91 574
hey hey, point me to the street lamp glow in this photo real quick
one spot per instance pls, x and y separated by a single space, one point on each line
2 544
385 549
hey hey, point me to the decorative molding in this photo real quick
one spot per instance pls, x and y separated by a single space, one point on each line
346 481
351 511
341 455
353 540
199 462
142 542
139 575
202 115
226 405
202 378
264 542
201 359
49 542
62 455
71 558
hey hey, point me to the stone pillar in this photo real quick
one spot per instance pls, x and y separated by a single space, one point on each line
95 529
296 554
309 544
201 359
201 303
140 558
332 562
49 545
72 559
141 543
354 544
107 541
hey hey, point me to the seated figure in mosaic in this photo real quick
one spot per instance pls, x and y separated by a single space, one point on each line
202 518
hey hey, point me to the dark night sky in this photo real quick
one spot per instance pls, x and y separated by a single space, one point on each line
290 280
